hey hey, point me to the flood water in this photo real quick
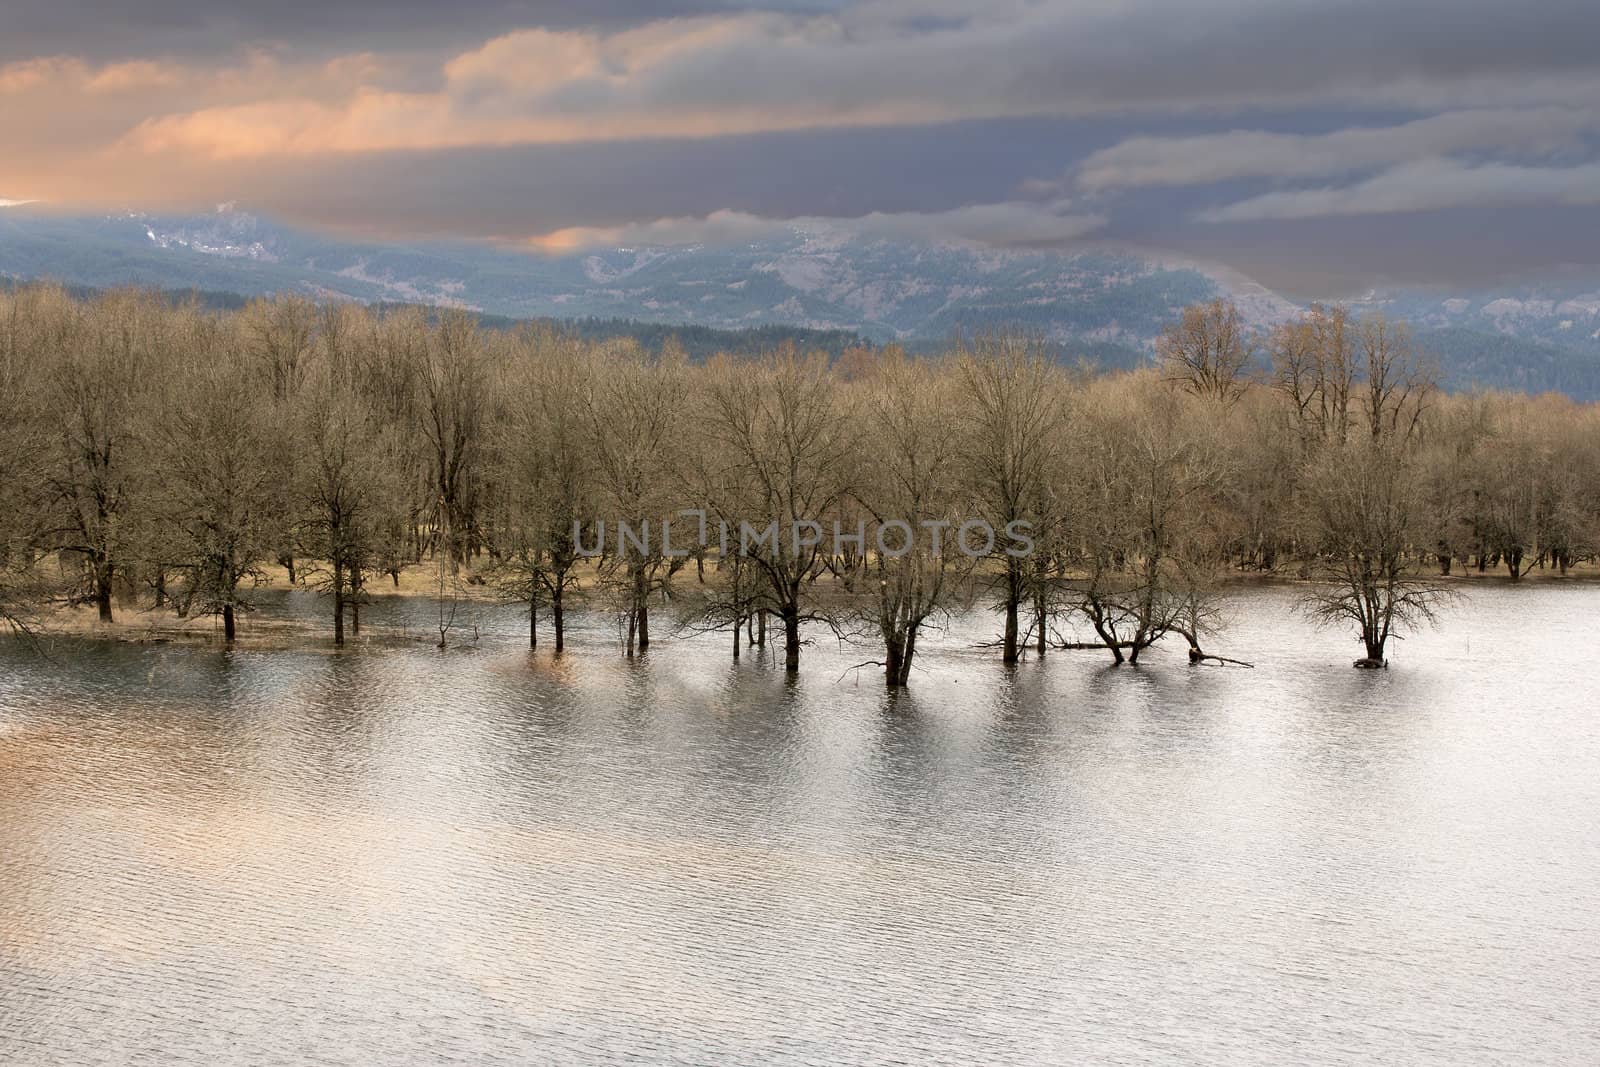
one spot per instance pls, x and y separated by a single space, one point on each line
402 855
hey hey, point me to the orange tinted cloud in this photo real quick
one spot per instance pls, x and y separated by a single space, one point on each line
1010 223
154 126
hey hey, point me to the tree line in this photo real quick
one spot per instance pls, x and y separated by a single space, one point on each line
163 456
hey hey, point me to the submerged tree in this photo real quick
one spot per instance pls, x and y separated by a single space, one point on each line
27 320
1363 500
92 397
1009 426
148 448
910 484
545 471
784 440
217 504
1146 526
345 493
636 405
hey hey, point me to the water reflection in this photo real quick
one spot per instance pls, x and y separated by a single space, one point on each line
488 854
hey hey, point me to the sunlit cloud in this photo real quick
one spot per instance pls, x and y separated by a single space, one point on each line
452 125
1012 224
889 62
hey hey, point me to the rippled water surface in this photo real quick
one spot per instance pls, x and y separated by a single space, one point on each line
480 855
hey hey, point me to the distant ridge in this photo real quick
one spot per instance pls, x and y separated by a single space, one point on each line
822 289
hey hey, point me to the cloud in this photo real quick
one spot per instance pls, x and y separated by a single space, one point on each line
500 118
1003 224
115 29
1219 157
1423 186
895 62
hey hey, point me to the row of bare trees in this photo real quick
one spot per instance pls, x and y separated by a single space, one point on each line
165 456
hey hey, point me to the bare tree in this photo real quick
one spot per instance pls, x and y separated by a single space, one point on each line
1010 422
636 405
1398 382
910 476
547 475
217 503
1208 350
1363 505
32 322
1315 367
452 398
1146 522
784 437
94 390
347 484
143 444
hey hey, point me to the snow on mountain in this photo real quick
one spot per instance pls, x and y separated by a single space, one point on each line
1106 304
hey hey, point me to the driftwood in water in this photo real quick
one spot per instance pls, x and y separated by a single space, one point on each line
1196 655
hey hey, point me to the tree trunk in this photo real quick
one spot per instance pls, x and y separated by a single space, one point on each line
355 600
641 607
791 640
1009 650
892 653
1039 621
555 611
908 655
102 591
737 625
533 619
227 623
338 604
761 629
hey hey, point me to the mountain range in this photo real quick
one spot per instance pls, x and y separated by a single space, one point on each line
1105 305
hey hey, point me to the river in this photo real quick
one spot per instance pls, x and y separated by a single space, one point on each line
482 855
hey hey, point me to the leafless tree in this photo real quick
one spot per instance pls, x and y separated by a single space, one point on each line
636 406
1146 520
1363 504
94 391
911 475
1208 350
216 505
346 486
545 451
1010 425
784 436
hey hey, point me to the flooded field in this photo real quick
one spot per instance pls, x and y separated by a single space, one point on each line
482 855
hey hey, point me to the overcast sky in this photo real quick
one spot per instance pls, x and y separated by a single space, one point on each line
1321 146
